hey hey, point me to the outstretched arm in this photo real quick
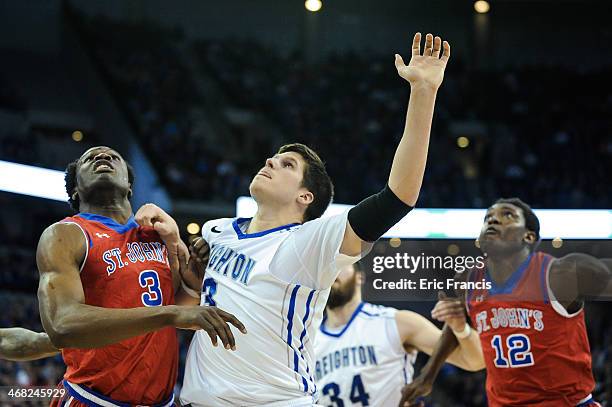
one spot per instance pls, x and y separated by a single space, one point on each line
424 73
21 344
72 323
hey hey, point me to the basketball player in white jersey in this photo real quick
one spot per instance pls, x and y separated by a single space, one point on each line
274 271
365 352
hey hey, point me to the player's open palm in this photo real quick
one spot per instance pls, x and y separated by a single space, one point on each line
211 319
425 69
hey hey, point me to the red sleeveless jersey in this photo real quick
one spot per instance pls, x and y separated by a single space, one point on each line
125 266
536 354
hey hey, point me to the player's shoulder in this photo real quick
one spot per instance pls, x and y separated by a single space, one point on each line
369 310
64 230
217 226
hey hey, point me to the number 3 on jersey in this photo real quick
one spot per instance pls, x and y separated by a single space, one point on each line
150 280
209 288
519 351
357 395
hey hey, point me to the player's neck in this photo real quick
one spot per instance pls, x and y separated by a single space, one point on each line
270 218
500 268
340 316
120 212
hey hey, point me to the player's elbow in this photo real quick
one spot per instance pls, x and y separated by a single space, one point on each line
59 337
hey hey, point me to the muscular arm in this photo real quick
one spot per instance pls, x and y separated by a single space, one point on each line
22 344
577 277
72 323
424 73
418 332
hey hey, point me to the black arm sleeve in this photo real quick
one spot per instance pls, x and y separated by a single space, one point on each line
376 214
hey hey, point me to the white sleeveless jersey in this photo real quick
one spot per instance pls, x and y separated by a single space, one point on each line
364 362
276 282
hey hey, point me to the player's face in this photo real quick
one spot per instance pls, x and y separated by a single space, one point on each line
343 289
280 180
102 167
503 230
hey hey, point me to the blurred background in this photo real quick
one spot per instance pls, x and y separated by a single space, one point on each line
196 94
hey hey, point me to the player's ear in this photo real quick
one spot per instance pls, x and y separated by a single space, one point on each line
74 195
306 197
129 194
529 237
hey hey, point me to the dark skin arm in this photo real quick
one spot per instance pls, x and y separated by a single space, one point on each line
578 277
447 344
21 344
70 322
422 385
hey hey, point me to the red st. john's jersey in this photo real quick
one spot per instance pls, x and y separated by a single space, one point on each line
536 353
125 266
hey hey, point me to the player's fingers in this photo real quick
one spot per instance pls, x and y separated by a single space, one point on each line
445 51
448 304
453 308
198 242
231 342
226 316
444 306
183 253
428 45
210 330
437 46
443 316
399 62
218 326
416 44
143 219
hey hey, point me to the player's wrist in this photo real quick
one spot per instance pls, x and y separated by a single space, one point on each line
462 333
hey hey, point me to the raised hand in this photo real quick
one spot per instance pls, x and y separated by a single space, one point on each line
427 69
451 311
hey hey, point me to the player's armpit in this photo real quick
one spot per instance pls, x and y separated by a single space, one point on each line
21 344
351 243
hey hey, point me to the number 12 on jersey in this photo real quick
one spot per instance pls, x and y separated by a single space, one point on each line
357 394
519 351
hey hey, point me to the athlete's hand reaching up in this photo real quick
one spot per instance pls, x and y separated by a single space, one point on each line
427 69
451 311
150 215
199 252
211 319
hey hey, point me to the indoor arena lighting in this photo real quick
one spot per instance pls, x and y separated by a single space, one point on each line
482 6
466 223
193 228
313 5
33 181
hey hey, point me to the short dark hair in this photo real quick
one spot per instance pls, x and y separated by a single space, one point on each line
532 223
316 179
71 182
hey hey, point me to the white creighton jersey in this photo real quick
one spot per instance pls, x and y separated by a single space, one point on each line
277 283
364 362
